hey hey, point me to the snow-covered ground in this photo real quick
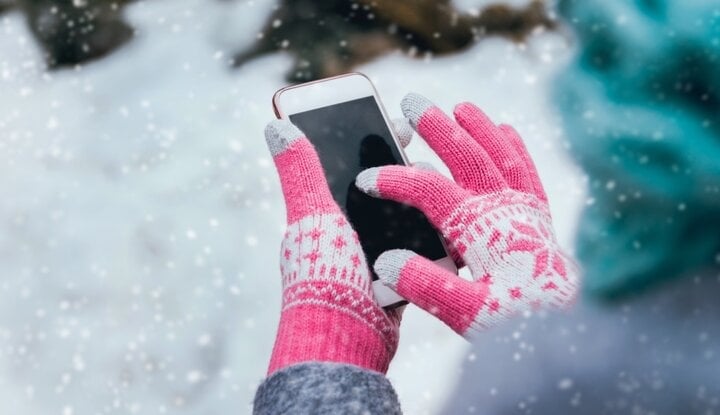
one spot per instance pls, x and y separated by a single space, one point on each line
140 214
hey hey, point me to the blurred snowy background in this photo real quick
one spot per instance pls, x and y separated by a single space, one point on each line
141 215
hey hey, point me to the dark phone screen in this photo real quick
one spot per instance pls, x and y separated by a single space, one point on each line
349 138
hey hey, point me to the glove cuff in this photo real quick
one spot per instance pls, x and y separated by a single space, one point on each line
333 322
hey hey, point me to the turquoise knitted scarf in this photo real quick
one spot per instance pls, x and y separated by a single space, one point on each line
641 108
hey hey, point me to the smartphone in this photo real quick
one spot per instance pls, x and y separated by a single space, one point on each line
344 120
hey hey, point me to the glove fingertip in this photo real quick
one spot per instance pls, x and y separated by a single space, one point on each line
367 181
390 264
280 134
414 106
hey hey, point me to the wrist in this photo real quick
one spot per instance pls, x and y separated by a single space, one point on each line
327 321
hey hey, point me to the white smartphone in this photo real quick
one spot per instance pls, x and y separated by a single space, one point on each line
343 118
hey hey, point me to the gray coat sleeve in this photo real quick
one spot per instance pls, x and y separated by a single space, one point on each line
657 353
326 388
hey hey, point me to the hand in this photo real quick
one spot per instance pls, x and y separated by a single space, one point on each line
329 311
494 217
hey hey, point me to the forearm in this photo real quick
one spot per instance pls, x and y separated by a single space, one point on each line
326 388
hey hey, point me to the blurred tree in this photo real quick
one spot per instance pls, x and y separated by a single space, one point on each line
332 37
6 5
326 37
74 31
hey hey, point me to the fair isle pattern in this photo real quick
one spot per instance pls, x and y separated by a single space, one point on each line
322 264
346 299
506 240
494 216
323 246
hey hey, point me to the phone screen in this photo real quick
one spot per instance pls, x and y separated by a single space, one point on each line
350 137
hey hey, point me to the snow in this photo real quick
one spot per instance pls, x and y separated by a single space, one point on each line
141 216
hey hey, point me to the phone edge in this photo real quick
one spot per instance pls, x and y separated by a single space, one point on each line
442 262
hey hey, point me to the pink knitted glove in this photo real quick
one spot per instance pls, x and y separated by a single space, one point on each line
329 312
495 218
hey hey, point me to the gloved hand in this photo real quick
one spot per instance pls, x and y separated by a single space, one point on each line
494 217
329 313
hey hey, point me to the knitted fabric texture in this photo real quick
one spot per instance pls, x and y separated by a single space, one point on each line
329 312
641 104
326 388
495 218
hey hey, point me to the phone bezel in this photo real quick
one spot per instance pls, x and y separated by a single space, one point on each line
335 90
